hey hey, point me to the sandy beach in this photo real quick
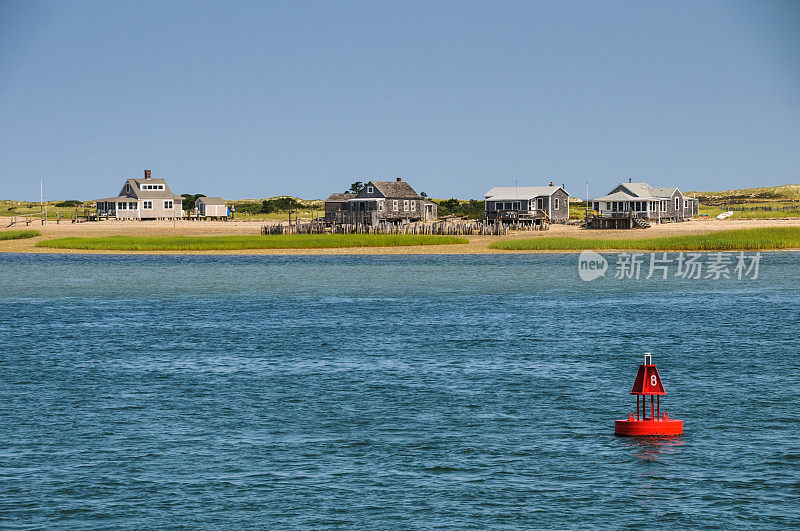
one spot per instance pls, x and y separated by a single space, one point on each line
476 245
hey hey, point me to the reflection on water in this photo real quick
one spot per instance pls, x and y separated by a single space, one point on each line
652 448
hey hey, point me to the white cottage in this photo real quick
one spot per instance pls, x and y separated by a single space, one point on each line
146 198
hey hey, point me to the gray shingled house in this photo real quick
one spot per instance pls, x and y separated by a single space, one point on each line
380 201
146 198
640 201
527 204
335 205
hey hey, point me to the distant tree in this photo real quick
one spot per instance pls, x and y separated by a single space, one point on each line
189 200
423 195
356 187
280 204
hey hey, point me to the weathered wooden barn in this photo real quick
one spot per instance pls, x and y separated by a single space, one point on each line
335 205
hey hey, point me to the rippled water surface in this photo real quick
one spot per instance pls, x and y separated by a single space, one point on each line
390 392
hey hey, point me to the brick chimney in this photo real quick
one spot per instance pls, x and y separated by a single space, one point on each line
629 179
146 174
552 183
399 179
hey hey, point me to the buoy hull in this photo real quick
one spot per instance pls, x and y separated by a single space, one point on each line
648 428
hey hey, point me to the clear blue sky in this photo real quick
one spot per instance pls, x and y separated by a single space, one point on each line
256 99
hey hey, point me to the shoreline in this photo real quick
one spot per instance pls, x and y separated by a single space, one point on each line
477 244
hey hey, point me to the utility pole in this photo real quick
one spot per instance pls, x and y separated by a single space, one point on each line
42 207
587 198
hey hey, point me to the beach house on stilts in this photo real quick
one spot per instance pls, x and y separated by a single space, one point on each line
630 205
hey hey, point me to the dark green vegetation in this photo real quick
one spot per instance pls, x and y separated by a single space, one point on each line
69 203
733 240
472 209
233 243
189 201
19 234
270 206
280 204
355 188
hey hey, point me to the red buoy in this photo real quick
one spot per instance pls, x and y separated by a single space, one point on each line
648 383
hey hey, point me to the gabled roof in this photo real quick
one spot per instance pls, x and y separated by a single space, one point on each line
212 200
166 193
390 189
340 197
509 193
664 192
619 196
638 191
395 189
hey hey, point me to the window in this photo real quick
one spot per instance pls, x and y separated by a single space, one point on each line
127 188
148 205
132 206
597 206
121 206
555 203
413 206
380 206
394 205
369 189
540 203
663 206
405 205
168 205
677 203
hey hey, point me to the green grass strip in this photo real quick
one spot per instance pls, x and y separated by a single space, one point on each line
235 243
19 234
732 240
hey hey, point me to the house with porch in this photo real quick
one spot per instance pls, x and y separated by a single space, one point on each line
380 202
638 204
527 204
146 198
335 205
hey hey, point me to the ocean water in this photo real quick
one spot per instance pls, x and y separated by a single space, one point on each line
390 392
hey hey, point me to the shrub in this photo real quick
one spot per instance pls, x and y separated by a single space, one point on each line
69 203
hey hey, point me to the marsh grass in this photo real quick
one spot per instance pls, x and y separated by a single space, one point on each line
732 240
714 211
235 243
19 234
